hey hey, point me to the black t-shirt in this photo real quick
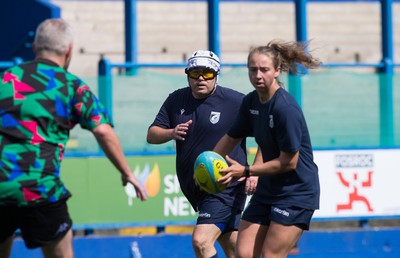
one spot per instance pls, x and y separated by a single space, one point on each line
212 117
279 125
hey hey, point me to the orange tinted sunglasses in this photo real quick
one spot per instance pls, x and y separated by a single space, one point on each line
207 74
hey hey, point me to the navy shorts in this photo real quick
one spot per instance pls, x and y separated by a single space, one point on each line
213 210
261 213
39 226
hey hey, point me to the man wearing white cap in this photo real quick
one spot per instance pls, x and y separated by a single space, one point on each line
196 117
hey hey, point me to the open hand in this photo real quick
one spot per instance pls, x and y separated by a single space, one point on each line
140 192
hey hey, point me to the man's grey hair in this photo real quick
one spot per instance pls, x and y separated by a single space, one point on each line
53 35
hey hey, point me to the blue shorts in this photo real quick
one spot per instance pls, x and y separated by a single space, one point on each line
213 210
40 226
261 213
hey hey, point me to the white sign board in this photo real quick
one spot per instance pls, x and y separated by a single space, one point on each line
358 183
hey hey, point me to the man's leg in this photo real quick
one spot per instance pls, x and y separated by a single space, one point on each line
61 248
5 247
203 240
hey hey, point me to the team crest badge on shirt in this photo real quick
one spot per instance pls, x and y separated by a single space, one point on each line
214 117
271 121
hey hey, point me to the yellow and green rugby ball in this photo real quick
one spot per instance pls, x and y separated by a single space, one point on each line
206 171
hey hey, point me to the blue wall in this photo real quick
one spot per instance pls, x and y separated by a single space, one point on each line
18 21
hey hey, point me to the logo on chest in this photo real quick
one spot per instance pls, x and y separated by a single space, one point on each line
214 117
254 112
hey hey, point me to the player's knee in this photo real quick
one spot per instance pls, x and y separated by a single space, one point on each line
243 254
276 252
246 251
198 244
201 244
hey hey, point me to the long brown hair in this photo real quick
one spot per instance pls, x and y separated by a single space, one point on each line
287 55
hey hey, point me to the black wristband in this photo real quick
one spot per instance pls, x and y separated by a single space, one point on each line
246 171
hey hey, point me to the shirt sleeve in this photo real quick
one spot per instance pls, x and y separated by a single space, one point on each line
289 129
242 127
87 110
162 119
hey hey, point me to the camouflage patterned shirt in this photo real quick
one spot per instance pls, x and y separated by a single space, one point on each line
40 102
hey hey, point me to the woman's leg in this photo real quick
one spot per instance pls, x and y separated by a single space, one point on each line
280 240
250 239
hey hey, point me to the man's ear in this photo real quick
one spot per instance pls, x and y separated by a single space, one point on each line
68 56
69 50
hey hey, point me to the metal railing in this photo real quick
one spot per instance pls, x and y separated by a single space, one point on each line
8 64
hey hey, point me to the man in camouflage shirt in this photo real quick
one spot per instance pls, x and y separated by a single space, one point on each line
40 102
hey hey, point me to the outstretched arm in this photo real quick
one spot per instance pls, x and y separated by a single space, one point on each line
109 142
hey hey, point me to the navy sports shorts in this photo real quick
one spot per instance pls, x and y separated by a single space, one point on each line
261 213
213 210
40 226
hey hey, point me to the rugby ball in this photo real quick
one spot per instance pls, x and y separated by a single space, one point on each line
206 171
